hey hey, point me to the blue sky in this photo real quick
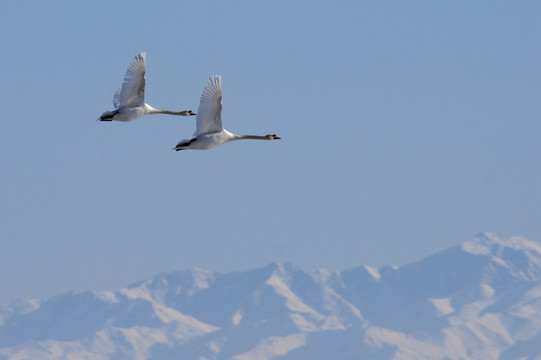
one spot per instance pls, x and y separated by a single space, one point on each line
407 128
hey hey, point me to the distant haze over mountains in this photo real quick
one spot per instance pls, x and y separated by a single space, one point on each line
477 300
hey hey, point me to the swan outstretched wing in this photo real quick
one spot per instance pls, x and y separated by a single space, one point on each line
133 87
209 114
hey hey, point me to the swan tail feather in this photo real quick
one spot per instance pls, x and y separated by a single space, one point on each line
108 115
184 144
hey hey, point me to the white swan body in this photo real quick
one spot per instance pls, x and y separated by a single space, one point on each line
129 101
209 131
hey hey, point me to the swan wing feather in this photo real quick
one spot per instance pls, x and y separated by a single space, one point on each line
116 99
133 87
209 114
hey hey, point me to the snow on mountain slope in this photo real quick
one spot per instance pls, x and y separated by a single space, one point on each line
477 300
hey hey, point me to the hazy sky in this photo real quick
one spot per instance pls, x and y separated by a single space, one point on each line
407 128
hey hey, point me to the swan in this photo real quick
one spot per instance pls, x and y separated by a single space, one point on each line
209 131
129 101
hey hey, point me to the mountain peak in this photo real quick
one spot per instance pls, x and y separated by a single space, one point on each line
522 257
490 243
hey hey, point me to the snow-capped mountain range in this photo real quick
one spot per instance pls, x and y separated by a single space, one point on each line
478 300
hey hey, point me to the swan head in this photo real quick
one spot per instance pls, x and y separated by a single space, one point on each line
191 113
273 137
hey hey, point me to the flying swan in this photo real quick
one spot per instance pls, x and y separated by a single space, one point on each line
209 132
129 101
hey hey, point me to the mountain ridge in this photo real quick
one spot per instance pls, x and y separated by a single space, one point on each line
480 299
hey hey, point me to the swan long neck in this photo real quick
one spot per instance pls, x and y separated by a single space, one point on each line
153 110
169 112
253 137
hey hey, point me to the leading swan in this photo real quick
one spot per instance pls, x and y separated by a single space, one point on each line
209 131
129 101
